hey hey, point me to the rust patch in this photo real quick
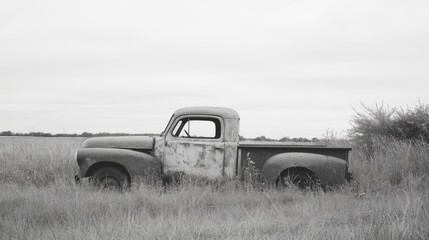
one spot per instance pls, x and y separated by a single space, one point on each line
196 159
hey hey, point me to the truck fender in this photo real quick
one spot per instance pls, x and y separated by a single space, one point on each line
328 170
132 162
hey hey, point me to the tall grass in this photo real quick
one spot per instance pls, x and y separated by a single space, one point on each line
392 163
37 160
38 200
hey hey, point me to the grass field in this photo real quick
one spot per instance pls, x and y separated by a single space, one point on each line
389 199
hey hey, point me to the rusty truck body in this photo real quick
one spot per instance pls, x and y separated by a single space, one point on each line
204 142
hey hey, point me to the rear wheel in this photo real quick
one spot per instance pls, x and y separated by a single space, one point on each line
110 178
302 179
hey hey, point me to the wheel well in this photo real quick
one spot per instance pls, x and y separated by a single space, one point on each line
97 166
295 170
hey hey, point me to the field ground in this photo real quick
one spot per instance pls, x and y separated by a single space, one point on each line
39 200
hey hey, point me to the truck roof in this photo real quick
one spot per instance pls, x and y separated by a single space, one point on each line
219 111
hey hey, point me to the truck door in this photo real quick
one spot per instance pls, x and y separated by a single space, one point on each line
194 146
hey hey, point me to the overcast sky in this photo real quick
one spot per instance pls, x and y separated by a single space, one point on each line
290 68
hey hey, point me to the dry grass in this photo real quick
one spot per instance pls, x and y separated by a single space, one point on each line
36 160
393 165
38 200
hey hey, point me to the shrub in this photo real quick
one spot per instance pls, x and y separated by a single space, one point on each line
391 147
380 121
414 124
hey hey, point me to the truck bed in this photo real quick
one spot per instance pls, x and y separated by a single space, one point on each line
260 152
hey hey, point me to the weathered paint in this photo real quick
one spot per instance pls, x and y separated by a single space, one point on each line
210 158
136 163
159 147
124 142
231 142
225 113
231 130
230 160
202 159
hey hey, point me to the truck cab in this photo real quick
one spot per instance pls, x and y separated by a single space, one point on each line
200 141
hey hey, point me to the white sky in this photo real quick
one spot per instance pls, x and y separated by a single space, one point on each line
290 68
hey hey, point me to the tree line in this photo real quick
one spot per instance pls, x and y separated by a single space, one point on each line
84 134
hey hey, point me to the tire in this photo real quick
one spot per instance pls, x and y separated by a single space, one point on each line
298 178
110 178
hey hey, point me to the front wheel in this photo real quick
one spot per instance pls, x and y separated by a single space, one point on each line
110 178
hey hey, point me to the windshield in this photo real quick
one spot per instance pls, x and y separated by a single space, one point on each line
168 124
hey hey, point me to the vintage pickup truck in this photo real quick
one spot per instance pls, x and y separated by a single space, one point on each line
204 142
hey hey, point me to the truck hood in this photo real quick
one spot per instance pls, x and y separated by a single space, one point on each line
126 142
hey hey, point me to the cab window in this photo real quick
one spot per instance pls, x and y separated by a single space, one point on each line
206 128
